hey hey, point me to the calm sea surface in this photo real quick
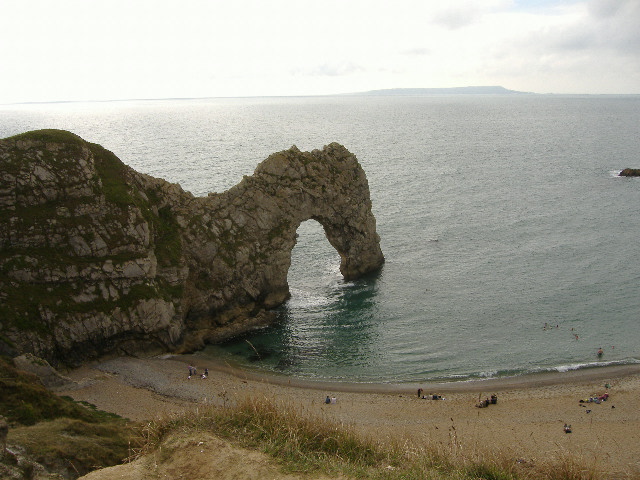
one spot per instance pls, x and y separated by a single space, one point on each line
499 215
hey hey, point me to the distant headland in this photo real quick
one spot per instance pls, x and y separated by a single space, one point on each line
478 90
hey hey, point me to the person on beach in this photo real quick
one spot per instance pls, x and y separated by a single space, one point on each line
419 393
327 400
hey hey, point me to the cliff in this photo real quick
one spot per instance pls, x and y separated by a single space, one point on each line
97 258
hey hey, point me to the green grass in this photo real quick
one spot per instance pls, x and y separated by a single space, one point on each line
167 237
69 437
75 447
22 307
25 401
119 190
50 136
113 173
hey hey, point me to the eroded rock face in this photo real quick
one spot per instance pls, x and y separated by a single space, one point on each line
97 258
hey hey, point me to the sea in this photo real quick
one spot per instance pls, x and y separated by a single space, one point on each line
511 243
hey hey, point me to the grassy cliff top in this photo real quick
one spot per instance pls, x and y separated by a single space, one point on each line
48 135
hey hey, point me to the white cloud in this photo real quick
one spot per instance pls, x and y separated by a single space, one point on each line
460 13
77 49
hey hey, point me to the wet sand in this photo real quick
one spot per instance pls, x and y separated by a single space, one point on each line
525 425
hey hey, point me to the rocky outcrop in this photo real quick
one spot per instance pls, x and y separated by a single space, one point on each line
630 172
96 257
48 376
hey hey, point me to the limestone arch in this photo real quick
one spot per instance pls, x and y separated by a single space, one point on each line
256 223
330 187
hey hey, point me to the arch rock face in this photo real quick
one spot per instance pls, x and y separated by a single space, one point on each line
97 258
256 222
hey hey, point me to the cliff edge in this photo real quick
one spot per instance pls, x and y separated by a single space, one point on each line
97 258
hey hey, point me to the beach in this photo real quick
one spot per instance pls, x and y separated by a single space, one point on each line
526 423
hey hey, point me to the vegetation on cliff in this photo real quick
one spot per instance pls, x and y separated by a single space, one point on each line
55 432
97 258
83 250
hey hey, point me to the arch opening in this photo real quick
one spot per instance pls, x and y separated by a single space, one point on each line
315 265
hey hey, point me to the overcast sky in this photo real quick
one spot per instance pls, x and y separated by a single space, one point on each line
120 49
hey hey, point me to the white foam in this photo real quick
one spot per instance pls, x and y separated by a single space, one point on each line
578 366
304 299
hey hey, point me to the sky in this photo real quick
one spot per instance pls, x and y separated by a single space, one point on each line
61 50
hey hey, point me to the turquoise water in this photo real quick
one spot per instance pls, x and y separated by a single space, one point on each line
498 215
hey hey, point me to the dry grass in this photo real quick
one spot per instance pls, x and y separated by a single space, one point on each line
303 442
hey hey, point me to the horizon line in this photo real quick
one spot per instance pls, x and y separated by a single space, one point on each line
377 92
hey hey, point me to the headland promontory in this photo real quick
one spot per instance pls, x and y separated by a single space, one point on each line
97 258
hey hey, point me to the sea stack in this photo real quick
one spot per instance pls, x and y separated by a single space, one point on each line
630 172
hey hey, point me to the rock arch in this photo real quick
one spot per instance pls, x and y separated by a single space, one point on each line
262 215
328 186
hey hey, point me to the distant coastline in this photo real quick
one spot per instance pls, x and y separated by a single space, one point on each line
473 90
399 92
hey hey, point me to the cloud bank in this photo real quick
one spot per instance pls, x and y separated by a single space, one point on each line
79 50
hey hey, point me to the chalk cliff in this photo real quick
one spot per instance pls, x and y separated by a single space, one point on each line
97 258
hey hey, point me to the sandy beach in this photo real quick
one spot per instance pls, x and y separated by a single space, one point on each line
526 423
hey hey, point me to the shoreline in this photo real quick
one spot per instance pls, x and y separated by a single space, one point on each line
525 424
530 380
